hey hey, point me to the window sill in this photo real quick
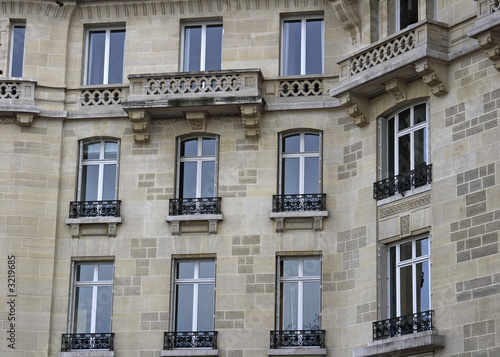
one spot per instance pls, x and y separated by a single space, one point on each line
309 220
398 196
93 226
190 352
87 353
304 351
403 345
194 223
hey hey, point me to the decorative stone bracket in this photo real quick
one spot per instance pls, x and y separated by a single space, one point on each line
303 220
356 106
250 116
141 124
397 87
197 121
348 13
93 226
434 74
490 42
25 119
197 223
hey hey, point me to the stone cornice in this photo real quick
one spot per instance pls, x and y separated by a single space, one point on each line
24 9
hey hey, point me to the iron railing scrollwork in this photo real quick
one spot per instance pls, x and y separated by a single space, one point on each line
304 202
297 338
194 339
87 341
402 183
187 206
403 325
78 209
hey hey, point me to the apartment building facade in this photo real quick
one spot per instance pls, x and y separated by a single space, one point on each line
249 178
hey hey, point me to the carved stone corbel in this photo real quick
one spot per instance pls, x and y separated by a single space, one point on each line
25 119
348 13
435 75
397 87
197 121
356 106
141 123
250 116
490 42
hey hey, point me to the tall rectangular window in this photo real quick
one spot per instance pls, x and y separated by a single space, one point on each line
18 37
202 47
302 45
408 13
92 297
105 56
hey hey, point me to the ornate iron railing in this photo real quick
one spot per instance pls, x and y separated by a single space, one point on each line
198 339
294 203
78 209
298 338
403 325
204 205
402 183
87 341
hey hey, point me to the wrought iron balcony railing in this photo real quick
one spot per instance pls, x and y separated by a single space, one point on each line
296 203
297 338
187 206
79 209
403 325
402 183
195 339
87 341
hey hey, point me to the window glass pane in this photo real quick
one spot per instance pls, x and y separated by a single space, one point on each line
90 181
422 247
311 142
192 48
408 13
188 180
214 48
208 148
291 143
185 270
406 291
392 279
404 153
311 175
422 288
105 272
207 270
205 307
419 114
208 179
405 251
83 310
103 309
314 46
419 149
311 306
109 182
189 147
291 176
116 55
84 272
111 150
404 119
390 148
184 305
289 268
289 306
18 51
91 151
291 47
312 267
96 57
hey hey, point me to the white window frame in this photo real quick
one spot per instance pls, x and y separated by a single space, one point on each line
301 155
199 159
196 281
303 20
101 162
384 140
409 262
203 41
94 284
12 59
300 279
105 79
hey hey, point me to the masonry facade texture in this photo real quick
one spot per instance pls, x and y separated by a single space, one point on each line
52 110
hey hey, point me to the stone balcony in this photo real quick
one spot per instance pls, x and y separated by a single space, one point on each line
418 52
17 99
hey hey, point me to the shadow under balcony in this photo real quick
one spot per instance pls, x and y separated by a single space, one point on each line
17 98
192 343
299 211
297 342
400 184
190 215
87 341
97 217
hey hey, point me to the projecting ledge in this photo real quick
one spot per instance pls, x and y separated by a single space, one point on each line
299 220
190 352
402 345
87 353
297 352
194 223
